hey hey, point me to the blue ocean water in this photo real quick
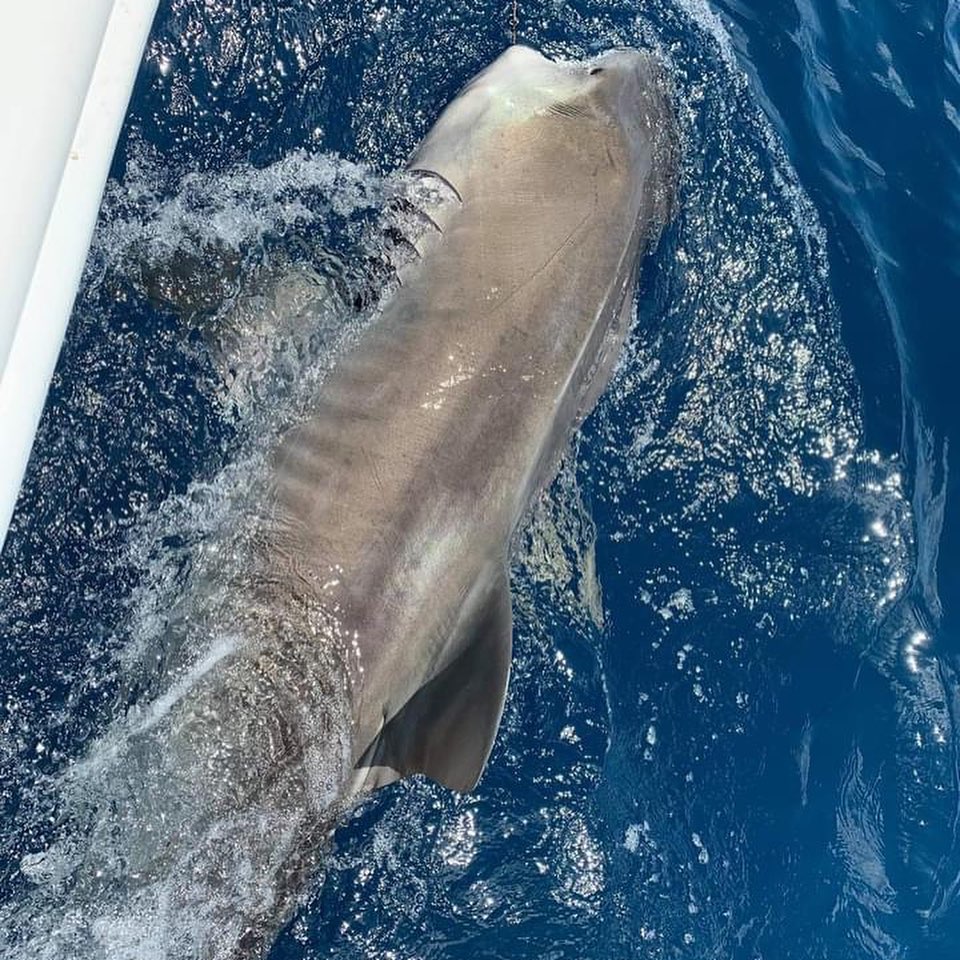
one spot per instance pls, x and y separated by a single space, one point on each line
732 723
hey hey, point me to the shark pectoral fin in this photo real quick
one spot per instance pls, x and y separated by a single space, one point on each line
193 283
251 316
447 728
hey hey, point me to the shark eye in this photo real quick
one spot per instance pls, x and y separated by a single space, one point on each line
595 70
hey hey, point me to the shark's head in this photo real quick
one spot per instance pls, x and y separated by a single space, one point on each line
525 113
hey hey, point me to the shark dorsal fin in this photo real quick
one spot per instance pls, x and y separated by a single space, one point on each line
447 728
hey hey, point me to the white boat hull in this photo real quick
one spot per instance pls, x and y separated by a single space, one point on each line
66 71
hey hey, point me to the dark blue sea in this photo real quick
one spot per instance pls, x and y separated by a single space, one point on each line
733 725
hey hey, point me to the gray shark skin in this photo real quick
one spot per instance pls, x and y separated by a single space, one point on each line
436 433
373 631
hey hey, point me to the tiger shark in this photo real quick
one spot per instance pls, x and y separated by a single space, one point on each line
440 430
372 638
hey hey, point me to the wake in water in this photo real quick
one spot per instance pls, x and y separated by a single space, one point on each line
150 844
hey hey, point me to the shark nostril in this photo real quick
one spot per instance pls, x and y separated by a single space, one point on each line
595 70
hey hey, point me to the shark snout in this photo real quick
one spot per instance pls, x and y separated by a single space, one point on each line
636 75
636 88
624 63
